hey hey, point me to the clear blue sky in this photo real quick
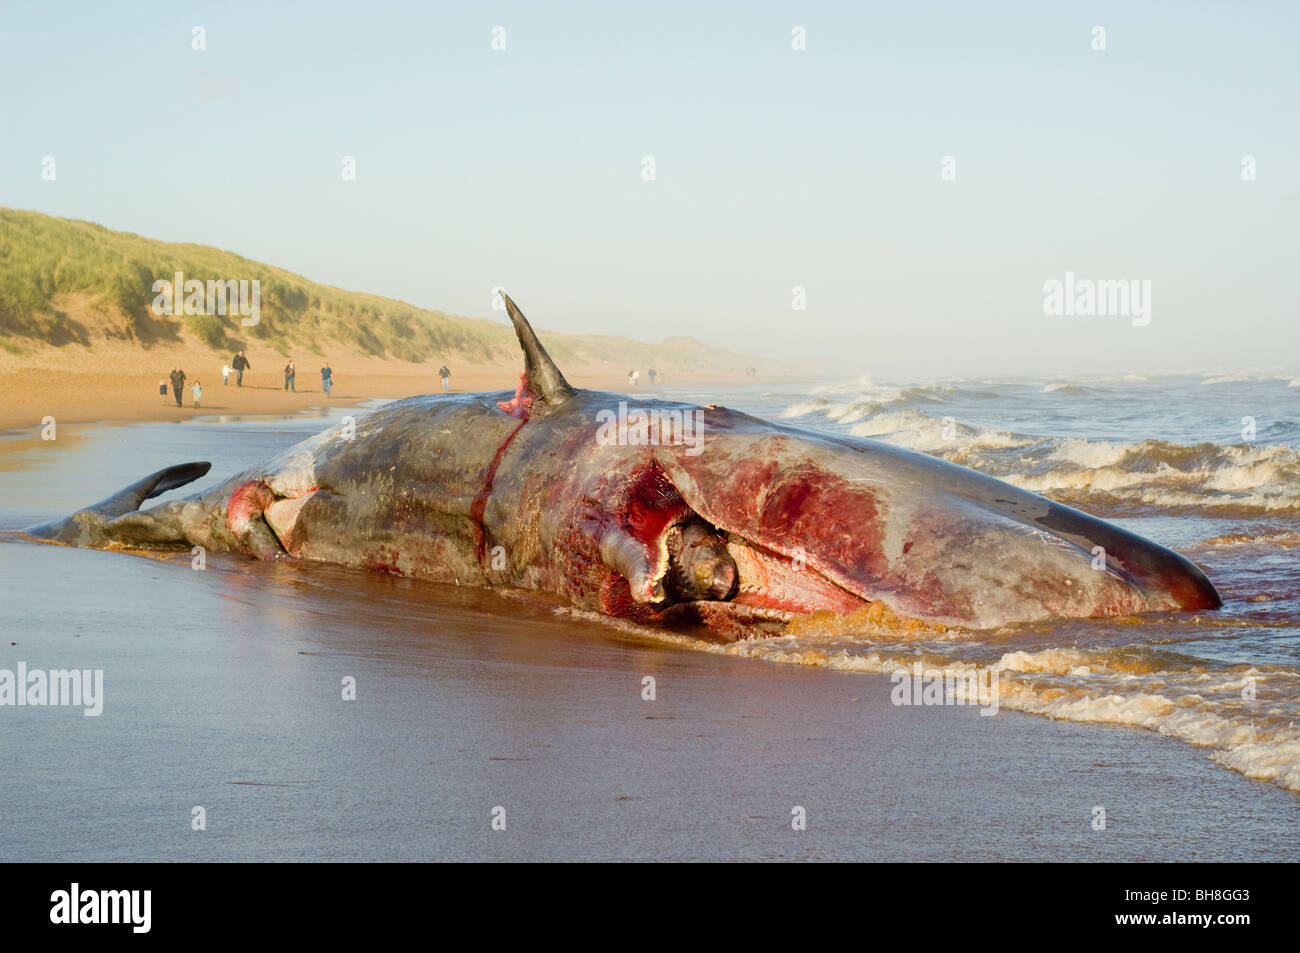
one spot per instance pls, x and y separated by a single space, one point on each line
775 168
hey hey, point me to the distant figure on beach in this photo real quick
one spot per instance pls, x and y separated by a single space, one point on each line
652 376
162 391
326 378
240 364
632 377
225 374
198 392
289 371
178 383
445 373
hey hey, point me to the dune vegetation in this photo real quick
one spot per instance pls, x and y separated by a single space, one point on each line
66 282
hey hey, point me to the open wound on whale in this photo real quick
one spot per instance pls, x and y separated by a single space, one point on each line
665 562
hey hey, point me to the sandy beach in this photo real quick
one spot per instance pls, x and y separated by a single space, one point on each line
119 383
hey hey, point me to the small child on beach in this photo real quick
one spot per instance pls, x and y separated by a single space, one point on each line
162 391
198 392
225 374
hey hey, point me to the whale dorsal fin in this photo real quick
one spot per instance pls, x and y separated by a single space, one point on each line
543 377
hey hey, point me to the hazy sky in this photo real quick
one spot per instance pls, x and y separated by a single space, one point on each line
775 168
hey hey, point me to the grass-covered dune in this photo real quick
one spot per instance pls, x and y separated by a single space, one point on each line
68 282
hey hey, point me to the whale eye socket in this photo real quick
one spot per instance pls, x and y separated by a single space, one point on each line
699 566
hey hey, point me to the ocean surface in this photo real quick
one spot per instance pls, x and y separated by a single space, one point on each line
222 687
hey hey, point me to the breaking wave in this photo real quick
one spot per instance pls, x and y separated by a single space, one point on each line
916 430
1261 536
1227 480
1237 480
1112 476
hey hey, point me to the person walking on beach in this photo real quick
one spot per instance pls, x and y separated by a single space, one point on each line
178 383
289 371
162 392
652 376
198 392
225 374
632 377
326 378
445 373
240 364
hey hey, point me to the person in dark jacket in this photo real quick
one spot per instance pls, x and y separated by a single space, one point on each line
240 364
289 372
326 379
178 384
445 373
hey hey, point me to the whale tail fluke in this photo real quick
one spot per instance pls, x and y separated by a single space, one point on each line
76 528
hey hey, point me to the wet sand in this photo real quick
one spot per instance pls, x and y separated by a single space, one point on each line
223 690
